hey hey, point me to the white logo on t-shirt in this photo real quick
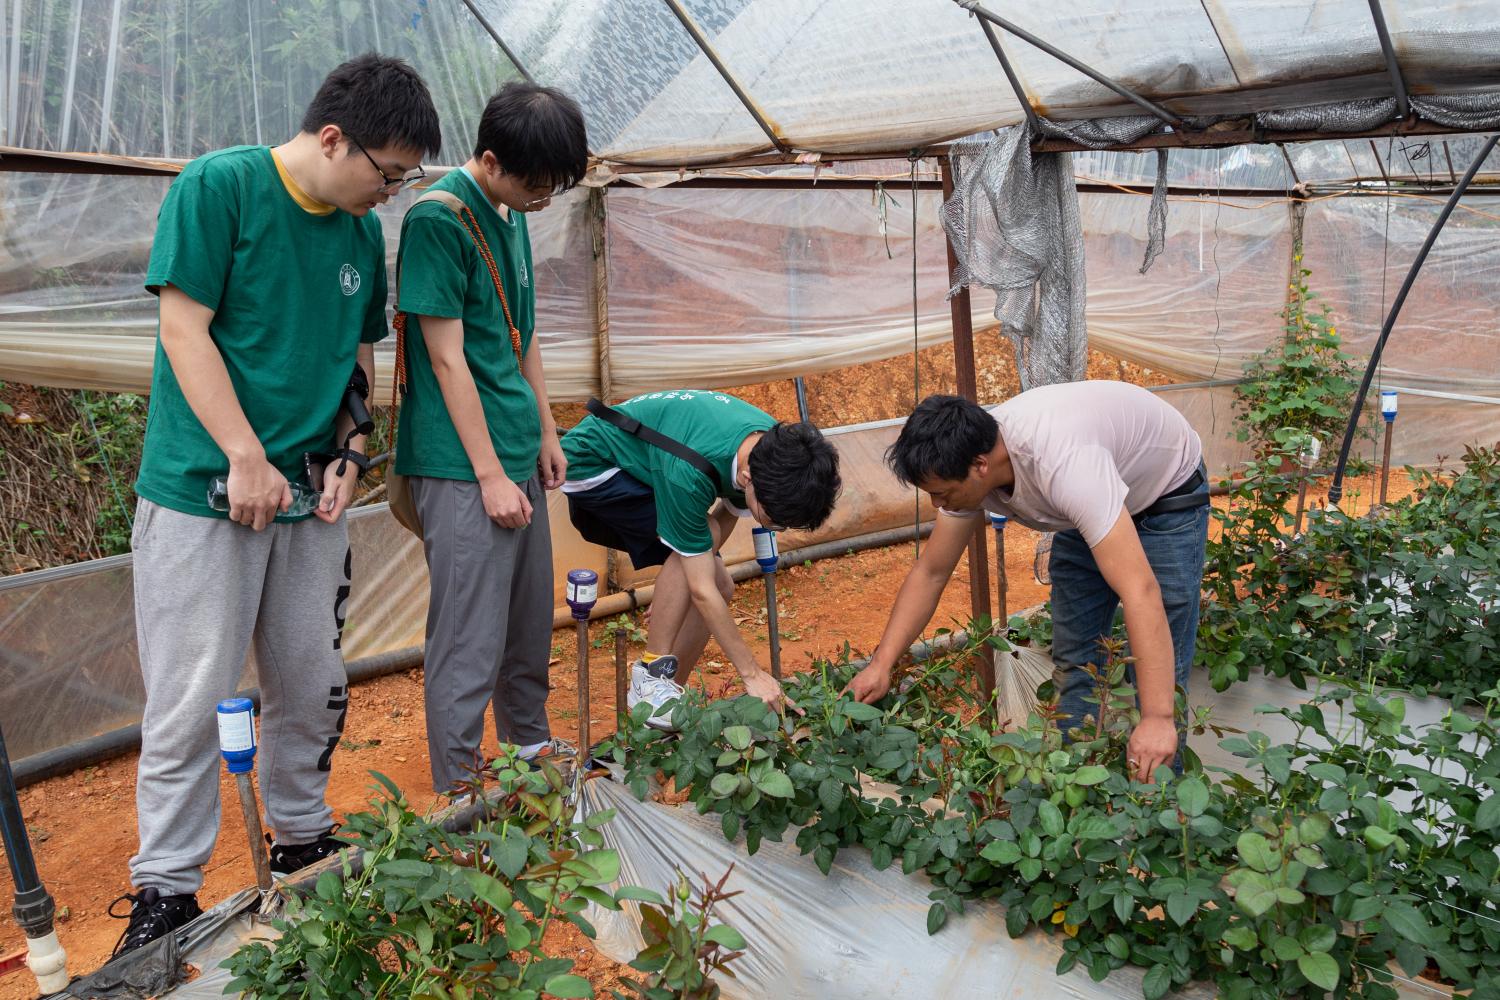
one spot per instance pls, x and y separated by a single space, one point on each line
348 279
525 278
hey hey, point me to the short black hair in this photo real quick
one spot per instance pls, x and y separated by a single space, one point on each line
537 134
377 101
941 439
795 473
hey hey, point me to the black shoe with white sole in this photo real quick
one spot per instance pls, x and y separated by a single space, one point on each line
152 914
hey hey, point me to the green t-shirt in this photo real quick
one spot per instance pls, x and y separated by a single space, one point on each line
711 423
293 293
441 273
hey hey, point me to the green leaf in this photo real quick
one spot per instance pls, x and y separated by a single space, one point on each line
830 793
724 784
638 893
1192 796
1156 983
726 937
1255 894
422 935
1319 937
776 784
1256 852
490 890
404 868
511 853
1002 852
937 916
860 712
1287 948
1320 968
1050 817
1242 937
1095 826
568 986
1408 923
1181 907
1487 816
737 736
1090 774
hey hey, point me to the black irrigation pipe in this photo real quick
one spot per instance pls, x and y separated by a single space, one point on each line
1336 490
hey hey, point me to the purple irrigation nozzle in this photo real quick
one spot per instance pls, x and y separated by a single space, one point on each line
237 734
583 591
1388 405
766 552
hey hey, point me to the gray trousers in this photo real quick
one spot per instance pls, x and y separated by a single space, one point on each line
489 624
205 588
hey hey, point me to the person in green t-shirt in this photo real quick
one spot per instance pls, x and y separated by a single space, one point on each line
628 494
476 435
270 270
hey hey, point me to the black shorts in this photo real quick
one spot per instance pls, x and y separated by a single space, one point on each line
620 513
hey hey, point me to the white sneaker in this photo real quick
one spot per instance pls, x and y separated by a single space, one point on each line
659 692
553 748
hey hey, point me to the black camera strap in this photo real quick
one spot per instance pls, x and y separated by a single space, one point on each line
655 438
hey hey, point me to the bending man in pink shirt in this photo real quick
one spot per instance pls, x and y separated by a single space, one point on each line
1118 474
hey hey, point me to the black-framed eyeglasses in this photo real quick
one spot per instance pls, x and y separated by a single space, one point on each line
387 183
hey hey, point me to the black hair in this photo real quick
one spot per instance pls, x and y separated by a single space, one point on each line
941 439
377 101
795 473
537 133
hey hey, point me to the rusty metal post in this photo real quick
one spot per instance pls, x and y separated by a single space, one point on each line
619 672
583 690
1002 582
965 375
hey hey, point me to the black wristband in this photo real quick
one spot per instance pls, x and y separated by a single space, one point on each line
359 458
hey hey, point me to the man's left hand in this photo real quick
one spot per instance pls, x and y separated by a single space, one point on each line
551 463
338 491
1152 744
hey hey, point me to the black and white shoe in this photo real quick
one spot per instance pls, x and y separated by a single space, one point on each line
152 914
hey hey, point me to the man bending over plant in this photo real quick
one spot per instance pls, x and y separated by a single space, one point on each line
659 501
1118 474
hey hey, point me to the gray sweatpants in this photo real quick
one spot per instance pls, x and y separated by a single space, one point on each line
204 588
489 623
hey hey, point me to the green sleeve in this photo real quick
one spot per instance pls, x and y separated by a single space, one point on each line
683 499
434 278
194 241
375 328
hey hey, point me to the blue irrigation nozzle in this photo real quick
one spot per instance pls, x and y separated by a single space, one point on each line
237 734
766 552
998 521
1388 405
583 592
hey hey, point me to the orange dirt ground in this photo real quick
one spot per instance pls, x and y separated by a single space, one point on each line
83 825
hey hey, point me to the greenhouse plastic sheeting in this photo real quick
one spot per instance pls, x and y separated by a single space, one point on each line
67 635
858 932
720 287
74 310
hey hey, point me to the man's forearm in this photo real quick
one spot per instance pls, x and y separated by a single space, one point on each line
722 627
205 383
460 394
1151 644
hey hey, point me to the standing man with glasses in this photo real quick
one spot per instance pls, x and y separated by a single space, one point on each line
628 493
476 433
270 269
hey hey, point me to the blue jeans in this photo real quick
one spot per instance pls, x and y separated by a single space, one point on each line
1083 605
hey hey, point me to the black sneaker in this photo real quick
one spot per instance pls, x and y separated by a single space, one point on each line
152 915
289 858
